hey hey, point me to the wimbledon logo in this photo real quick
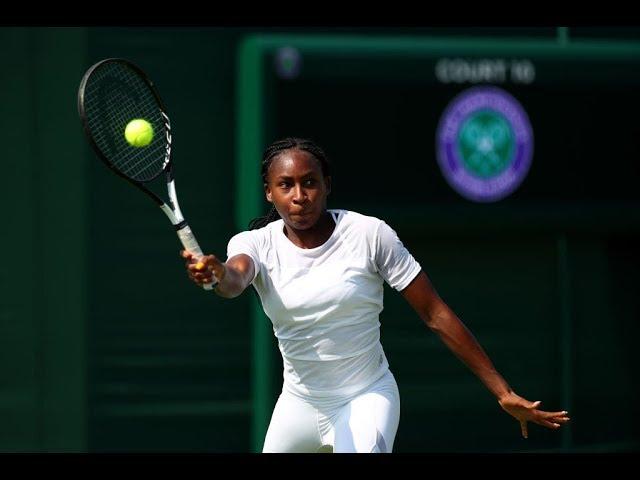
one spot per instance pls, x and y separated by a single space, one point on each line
484 144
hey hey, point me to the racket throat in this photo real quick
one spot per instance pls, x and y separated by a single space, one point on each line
173 218
173 200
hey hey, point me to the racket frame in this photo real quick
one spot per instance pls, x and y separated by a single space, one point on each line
172 210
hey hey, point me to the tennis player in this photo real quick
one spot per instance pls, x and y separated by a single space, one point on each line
319 274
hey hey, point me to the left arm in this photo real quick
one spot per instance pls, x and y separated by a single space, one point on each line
442 320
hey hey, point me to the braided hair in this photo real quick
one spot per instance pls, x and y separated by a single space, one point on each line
273 151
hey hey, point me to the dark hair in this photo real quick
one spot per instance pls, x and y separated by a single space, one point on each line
275 149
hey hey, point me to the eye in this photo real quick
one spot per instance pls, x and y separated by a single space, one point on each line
310 182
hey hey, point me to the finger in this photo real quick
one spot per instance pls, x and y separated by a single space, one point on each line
201 276
548 424
196 267
523 428
196 275
210 260
536 404
556 414
559 419
185 254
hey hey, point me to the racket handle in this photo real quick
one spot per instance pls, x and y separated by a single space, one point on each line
190 243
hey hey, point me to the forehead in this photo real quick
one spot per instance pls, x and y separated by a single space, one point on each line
294 162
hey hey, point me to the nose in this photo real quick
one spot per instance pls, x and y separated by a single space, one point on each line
299 194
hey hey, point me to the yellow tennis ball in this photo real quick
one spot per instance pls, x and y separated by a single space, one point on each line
138 133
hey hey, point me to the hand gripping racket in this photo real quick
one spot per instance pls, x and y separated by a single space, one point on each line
114 93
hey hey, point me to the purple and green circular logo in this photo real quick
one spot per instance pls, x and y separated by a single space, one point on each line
484 144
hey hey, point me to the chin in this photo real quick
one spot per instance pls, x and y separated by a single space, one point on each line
303 224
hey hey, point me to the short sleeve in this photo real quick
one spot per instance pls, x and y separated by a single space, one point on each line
247 243
393 261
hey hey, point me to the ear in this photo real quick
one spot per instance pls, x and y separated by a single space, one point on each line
327 183
267 193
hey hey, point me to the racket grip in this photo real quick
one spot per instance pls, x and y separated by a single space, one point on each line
190 243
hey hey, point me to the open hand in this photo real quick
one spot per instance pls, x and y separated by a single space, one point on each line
525 411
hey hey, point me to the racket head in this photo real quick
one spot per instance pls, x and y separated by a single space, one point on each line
112 93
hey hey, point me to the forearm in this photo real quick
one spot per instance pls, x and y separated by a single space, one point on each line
463 344
231 284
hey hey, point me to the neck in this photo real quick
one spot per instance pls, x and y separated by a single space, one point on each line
312 237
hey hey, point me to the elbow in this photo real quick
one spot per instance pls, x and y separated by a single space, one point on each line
433 326
435 320
430 321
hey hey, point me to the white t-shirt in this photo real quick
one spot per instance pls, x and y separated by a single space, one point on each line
324 302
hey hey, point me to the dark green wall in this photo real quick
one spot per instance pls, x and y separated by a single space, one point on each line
43 323
106 346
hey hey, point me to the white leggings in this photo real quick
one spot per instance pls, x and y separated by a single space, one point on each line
363 423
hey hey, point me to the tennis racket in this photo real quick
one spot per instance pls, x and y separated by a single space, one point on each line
113 93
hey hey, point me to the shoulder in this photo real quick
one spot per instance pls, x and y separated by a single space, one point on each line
355 220
362 227
244 237
376 231
258 236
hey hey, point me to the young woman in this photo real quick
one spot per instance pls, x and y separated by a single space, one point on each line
319 274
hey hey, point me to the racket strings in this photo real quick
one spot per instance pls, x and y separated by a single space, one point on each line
114 95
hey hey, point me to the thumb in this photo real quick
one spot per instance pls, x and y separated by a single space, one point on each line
536 404
210 260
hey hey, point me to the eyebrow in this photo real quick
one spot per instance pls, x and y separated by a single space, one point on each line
287 177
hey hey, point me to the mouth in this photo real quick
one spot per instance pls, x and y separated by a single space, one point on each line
301 217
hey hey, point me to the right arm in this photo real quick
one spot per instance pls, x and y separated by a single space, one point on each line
233 276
